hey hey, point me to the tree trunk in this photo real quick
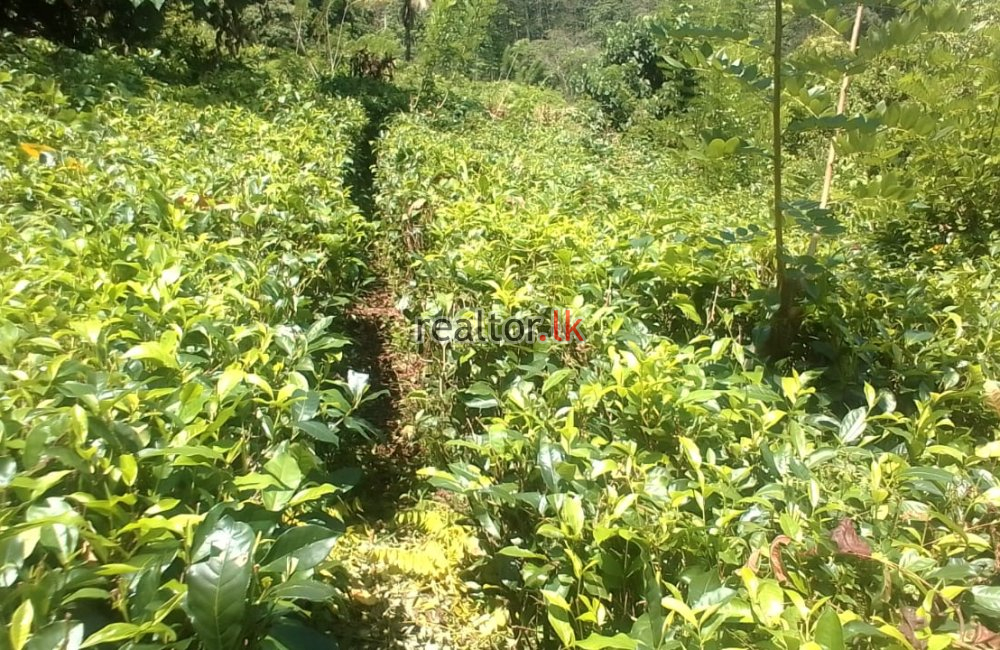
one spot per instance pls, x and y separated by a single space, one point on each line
785 322
408 19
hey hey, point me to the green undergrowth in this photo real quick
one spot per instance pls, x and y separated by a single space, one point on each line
173 365
659 486
185 393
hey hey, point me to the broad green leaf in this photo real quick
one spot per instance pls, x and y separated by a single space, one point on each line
300 548
163 351
312 494
306 406
770 601
986 599
684 302
319 431
514 551
113 633
675 605
600 642
654 616
572 515
8 470
229 380
20 625
989 450
12 556
549 456
560 618
555 379
217 587
790 387
129 468
853 425
716 148
61 538
691 451
285 468
61 635
829 633
302 589
700 396
292 635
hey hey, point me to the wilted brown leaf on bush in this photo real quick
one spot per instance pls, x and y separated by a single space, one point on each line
848 541
777 566
982 637
991 395
909 626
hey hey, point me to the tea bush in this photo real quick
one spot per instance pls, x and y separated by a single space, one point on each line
658 486
172 358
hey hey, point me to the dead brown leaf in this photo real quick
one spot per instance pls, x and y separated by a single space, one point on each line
991 393
848 541
984 638
363 597
777 566
910 625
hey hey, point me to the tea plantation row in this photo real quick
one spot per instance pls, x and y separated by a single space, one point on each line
658 486
175 267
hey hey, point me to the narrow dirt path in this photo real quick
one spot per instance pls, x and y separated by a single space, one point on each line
405 552
392 462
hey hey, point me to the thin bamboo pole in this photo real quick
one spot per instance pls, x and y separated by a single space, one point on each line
841 109
779 218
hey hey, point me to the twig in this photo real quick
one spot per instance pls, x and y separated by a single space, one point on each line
993 128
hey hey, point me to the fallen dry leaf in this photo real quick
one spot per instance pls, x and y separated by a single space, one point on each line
35 151
363 597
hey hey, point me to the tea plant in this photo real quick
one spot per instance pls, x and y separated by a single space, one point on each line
657 486
173 371
182 263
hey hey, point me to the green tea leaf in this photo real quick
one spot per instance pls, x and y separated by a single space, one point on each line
20 625
302 589
770 602
217 586
229 379
301 548
829 633
112 634
560 618
986 599
853 425
291 635
572 515
600 642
